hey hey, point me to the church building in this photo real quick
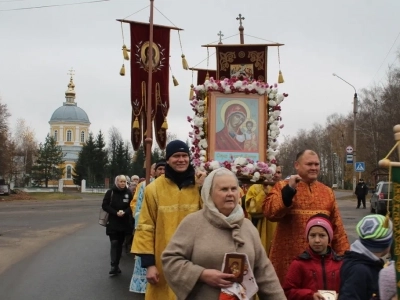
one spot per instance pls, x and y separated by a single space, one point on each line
69 125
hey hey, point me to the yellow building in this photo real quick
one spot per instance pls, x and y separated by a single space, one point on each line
69 125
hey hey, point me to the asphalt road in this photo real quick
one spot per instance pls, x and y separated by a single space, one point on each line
56 250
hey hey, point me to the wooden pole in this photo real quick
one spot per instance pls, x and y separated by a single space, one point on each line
149 129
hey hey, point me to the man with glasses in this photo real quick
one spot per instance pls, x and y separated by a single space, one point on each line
255 197
361 192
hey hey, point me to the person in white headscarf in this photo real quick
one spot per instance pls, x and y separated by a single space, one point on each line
117 203
194 256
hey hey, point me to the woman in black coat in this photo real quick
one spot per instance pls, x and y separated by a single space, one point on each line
117 203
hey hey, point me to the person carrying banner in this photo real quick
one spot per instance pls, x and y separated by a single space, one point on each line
167 200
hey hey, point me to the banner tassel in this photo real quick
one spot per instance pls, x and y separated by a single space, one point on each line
207 76
176 83
135 123
184 62
122 71
280 77
164 124
191 94
125 52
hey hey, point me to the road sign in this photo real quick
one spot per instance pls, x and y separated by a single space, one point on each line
349 149
360 166
349 158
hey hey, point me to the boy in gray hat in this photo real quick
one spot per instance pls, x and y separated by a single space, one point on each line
361 265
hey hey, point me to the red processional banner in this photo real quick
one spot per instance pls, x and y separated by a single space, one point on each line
140 33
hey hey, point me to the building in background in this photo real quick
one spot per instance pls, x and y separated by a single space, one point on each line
69 125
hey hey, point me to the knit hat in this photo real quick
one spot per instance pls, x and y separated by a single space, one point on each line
174 147
373 234
387 282
320 220
160 163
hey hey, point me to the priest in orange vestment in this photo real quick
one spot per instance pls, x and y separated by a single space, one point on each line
291 203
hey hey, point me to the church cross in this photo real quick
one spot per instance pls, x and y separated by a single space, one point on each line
240 18
220 36
161 134
241 28
137 134
71 72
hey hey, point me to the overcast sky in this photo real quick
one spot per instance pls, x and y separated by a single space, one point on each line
39 46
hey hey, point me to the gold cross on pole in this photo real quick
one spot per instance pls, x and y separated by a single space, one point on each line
240 18
71 72
220 36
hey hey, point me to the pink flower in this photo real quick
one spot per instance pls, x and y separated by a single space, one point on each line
189 119
275 85
281 126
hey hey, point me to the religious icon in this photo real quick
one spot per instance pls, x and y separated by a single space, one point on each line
236 127
234 264
242 71
249 131
145 55
231 136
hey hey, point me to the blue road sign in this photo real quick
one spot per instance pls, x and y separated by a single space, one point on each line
349 158
360 166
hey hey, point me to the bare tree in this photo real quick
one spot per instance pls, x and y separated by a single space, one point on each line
4 138
25 147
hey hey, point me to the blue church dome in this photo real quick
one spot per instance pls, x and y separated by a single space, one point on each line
70 113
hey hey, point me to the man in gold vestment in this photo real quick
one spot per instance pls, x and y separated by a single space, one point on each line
255 198
291 203
167 200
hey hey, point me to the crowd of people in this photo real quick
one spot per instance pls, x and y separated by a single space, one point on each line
200 236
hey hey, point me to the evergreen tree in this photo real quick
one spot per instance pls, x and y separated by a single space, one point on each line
84 167
138 162
92 162
101 159
49 159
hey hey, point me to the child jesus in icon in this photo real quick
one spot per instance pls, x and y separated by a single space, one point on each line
250 143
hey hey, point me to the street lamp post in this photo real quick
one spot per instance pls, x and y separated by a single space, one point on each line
355 108
343 173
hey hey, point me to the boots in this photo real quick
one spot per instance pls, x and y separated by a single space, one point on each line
114 258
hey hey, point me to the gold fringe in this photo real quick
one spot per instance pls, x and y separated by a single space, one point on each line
176 83
387 217
122 71
280 77
125 52
164 124
184 62
191 94
207 76
135 123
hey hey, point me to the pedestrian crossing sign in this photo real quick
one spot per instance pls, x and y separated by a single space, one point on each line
360 166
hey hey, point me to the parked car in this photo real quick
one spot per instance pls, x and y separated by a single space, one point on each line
380 198
4 189
334 186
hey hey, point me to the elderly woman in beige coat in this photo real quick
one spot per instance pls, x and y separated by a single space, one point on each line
193 259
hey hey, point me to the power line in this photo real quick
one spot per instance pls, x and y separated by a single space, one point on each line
54 5
390 50
4 1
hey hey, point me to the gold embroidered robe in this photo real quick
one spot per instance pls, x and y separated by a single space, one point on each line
164 207
255 197
290 238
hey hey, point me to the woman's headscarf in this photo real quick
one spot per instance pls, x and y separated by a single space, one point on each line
237 214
